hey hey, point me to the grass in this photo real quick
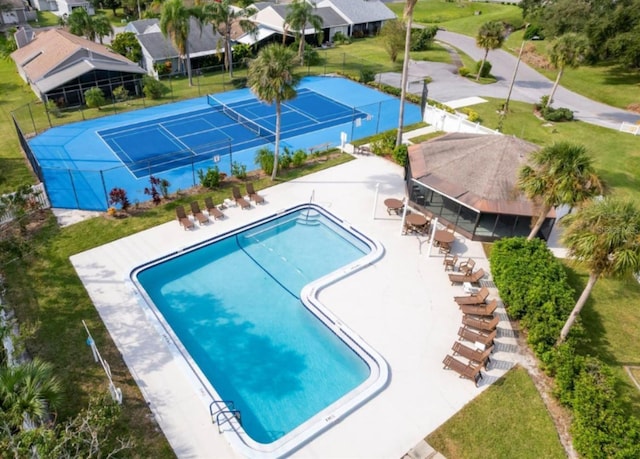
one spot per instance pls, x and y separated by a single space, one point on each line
508 419
611 320
460 16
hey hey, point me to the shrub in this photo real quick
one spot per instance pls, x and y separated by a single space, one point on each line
299 157
544 100
265 159
163 68
486 69
152 190
238 170
285 158
118 197
341 38
120 93
557 114
94 98
472 115
384 143
367 75
152 88
211 178
421 39
534 30
464 71
53 108
401 154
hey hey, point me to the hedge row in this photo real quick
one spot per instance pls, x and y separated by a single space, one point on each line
534 288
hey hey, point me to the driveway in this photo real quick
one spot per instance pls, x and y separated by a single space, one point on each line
529 87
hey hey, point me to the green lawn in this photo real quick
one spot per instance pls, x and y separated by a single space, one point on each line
461 16
507 420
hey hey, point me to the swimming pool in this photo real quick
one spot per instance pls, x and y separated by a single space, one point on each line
243 309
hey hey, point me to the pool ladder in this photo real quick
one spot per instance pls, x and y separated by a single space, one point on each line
228 408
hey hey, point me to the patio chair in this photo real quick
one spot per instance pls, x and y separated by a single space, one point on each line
444 247
476 298
477 356
474 336
184 221
253 196
449 262
487 324
243 203
465 370
480 310
212 210
197 213
466 267
472 278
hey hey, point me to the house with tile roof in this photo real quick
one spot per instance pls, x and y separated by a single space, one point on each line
158 50
365 17
60 66
469 180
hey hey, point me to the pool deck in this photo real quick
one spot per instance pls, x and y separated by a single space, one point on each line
402 306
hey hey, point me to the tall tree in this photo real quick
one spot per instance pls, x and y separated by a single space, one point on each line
175 23
91 27
392 35
127 45
272 80
568 50
605 236
408 17
490 36
299 15
559 174
102 27
223 16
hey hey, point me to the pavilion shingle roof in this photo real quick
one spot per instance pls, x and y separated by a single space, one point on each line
478 170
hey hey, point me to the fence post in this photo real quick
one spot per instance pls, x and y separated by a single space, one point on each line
104 188
33 122
344 58
73 187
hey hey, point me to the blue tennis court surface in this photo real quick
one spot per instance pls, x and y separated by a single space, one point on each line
82 162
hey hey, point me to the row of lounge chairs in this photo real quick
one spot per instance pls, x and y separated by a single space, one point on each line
213 210
479 326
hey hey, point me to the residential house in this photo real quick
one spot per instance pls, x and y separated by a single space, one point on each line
65 7
160 55
364 17
15 12
60 66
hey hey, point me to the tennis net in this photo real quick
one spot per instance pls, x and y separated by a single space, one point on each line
243 120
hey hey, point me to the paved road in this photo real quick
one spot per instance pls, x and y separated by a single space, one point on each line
530 85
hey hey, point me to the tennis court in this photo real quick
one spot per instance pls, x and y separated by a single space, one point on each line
82 162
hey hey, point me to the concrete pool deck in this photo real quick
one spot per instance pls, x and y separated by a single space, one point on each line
402 306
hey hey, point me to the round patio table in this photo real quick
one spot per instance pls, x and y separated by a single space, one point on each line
393 205
416 219
444 236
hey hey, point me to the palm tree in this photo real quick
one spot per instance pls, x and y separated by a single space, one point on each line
408 16
27 392
271 79
299 14
222 15
605 236
102 27
175 23
559 174
568 50
490 36
80 23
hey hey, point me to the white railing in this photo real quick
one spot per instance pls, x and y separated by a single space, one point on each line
630 128
38 195
442 120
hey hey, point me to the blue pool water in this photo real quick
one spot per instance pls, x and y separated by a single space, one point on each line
235 306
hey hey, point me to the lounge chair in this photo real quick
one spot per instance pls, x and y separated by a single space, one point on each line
466 267
476 298
184 221
485 324
449 262
253 196
465 370
212 210
477 356
237 197
473 278
480 310
197 213
468 334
